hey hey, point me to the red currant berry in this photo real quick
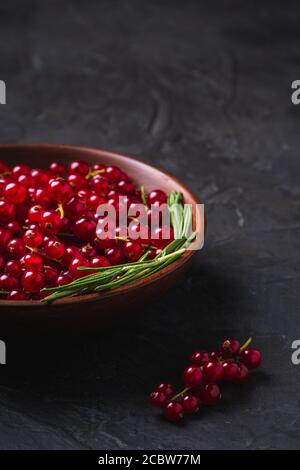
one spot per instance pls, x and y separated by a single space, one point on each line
15 228
55 249
190 403
200 358
64 279
230 370
32 262
242 374
100 262
32 281
50 276
88 251
126 187
8 282
132 250
60 190
251 358
41 197
85 229
113 173
16 248
79 168
15 193
5 236
94 201
158 399
156 197
57 168
26 180
40 177
162 237
34 214
75 208
20 170
50 222
215 355
2 260
230 347
17 295
75 264
115 255
213 371
192 376
33 238
14 268
71 253
100 186
77 182
153 253
173 411
166 388
7 211
209 393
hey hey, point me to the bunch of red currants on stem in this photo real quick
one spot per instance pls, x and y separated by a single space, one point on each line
48 221
231 362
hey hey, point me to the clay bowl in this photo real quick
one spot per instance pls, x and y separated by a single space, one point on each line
94 308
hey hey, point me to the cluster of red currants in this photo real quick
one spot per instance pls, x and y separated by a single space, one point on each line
48 220
231 363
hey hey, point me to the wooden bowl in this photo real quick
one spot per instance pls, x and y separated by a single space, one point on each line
104 307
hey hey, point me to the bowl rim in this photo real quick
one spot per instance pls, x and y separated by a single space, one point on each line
180 262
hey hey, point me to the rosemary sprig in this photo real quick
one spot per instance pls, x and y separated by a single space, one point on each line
115 276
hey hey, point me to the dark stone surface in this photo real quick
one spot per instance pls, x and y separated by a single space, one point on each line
203 90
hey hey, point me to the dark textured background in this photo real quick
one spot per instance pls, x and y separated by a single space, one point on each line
203 90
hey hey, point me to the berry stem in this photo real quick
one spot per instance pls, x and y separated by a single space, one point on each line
180 393
94 173
60 209
245 345
143 196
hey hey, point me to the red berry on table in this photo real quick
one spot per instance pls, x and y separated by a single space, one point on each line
190 403
192 376
132 250
7 211
209 393
230 347
156 197
200 358
158 399
174 411
32 281
166 388
230 370
15 193
32 262
242 374
79 168
213 371
251 358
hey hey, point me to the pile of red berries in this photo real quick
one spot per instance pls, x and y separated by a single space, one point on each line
48 220
201 378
